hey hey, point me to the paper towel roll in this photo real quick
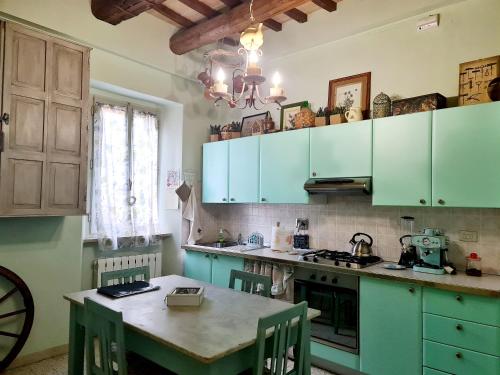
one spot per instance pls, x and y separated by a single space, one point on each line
281 239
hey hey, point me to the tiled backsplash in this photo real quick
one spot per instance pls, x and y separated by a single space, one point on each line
333 224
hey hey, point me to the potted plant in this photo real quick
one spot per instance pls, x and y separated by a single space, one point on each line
338 115
214 133
320 119
235 129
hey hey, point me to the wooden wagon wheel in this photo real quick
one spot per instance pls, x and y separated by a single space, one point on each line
23 313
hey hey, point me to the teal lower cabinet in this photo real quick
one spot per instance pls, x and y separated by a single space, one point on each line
198 266
330 354
461 333
431 371
222 266
211 268
390 327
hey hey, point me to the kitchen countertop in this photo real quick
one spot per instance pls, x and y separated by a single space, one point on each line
486 285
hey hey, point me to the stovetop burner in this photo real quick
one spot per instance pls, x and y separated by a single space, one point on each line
340 258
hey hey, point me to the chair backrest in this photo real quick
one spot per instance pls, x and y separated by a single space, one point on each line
125 276
251 282
104 340
281 339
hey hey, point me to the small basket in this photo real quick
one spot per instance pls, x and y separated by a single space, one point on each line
305 118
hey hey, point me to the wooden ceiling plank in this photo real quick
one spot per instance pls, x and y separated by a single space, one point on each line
174 16
231 3
328 5
201 8
231 22
297 15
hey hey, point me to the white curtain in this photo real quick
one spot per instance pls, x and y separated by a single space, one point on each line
124 185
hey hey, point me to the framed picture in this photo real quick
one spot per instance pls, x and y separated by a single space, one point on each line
352 91
249 121
288 113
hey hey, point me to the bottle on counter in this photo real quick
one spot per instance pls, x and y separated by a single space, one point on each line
473 264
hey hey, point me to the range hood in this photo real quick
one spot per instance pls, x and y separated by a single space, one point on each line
360 185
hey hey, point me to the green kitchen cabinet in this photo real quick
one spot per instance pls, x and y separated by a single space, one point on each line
215 172
341 150
284 167
402 160
390 327
222 266
198 266
465 156
244 170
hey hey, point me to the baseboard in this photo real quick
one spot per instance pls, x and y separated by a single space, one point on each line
39 356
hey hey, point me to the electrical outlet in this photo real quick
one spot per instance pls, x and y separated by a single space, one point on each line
302 224
467 236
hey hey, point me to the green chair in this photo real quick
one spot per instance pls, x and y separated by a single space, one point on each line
274 339
125 276
104 329
251 282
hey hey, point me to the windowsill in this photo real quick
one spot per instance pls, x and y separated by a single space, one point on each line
90 239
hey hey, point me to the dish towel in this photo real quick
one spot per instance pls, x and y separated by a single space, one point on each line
192 214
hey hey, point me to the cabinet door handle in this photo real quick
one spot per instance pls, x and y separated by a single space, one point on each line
422 201
459 327
5 119
458 298
207 255
232 199
224 199
216 257
314 174
263 199
458 355
411 290
441 201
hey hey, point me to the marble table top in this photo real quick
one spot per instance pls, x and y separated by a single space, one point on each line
225 322
486 285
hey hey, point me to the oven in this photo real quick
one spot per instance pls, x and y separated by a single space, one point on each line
336 296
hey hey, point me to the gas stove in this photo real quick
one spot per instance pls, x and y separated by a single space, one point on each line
339 259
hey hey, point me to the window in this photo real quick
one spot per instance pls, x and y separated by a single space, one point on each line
124 209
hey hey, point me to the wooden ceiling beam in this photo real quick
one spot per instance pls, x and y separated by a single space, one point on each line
273 25
229 23
174 16
328 5
116 11
297 15
201 8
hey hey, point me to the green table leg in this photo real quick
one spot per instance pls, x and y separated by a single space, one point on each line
307 354
76 343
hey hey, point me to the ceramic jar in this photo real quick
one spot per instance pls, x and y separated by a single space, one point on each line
381 106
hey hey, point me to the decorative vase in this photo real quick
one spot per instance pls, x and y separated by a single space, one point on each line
381 106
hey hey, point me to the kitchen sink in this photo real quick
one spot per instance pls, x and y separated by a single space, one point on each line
220 245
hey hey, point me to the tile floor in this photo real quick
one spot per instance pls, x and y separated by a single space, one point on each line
58 366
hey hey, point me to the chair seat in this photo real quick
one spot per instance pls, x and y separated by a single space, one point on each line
138 365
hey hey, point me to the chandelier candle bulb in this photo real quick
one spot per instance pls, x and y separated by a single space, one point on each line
253 68
277 90
219 86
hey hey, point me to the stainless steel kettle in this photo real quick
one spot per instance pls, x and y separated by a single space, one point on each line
361 248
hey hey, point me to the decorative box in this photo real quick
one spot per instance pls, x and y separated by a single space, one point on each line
475 76
337 119
320 121
305 118
185 296
422 103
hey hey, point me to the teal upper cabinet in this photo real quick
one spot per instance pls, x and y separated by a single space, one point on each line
284 167
244 170
342 150
390 327
215 172
465 156
402 160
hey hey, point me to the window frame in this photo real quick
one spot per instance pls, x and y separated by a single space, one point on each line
130 105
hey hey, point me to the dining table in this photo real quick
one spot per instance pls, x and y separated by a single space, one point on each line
217 337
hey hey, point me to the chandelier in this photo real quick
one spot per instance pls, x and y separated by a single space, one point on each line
246 73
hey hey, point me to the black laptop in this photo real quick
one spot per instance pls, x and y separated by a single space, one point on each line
128 289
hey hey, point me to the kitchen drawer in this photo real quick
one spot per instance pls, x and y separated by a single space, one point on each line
459 361
431 371
461 333
479 309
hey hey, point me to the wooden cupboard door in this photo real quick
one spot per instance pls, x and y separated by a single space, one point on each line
64 183
215 172
222 266
465 156
284 167
342 150
25 99
68 70
390 327
402 160
244 170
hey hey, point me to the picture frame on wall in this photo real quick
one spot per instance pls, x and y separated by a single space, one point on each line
349 92
248 122
288 113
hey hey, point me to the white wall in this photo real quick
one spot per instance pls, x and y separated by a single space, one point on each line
402 61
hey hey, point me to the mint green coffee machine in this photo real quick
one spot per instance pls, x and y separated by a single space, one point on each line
432 250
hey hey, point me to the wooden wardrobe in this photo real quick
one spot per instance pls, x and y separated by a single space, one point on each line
45 120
